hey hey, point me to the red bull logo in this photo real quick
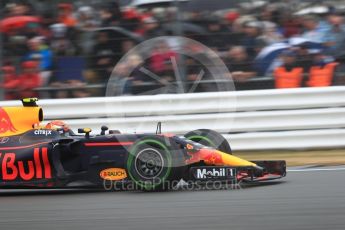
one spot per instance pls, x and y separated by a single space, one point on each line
215 157
17 120
5 122
209 156
13 169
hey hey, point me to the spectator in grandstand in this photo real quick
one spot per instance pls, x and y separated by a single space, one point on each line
196 73
104 56
86 22
86 17
20 8
252 37
32 30
134 64
232 28
304 58
29 79
127 45
315 29
140 74
120 83
290 26
47 20
11 81
229 19
270 33
151 27
36 48
161 60
268 13
240 64
335 39
110 15
60 42
236 31
219 39
289 74
65 15
41 52
131 20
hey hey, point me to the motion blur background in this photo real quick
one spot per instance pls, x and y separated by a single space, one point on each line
68 49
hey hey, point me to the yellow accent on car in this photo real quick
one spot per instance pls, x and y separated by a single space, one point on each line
87 130
231 160
28 100
17 120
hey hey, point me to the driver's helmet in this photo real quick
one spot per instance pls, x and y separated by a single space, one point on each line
58 125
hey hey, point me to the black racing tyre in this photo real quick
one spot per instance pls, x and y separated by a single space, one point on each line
210 138
155 163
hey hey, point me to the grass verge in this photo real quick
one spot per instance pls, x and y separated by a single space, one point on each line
298 157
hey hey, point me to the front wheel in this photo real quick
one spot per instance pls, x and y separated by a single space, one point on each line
210 138
155 163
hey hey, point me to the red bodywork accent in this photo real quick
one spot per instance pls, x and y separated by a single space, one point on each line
108 144
47 169
38 163
8 165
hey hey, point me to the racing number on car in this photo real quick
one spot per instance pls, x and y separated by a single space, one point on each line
36 168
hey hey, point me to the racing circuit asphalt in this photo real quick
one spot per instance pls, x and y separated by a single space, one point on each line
303 200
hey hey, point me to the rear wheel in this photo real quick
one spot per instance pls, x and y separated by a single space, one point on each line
210 138
155 163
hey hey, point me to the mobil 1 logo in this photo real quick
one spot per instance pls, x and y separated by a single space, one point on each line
213 173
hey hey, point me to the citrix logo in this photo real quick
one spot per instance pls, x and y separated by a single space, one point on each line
43 132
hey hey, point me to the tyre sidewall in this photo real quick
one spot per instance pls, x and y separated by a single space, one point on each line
170 156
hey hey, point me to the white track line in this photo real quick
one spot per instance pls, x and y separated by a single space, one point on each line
316 169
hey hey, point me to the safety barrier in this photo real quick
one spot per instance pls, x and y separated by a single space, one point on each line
252 120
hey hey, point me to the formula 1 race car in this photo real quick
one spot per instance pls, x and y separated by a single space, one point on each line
52 156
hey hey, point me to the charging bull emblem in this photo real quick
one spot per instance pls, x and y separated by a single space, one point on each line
5 122
216 157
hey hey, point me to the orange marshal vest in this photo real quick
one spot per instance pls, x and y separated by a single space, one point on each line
288 79
321 76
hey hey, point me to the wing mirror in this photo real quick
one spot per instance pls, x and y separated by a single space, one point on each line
104 129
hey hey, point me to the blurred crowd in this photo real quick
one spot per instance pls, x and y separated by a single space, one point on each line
70 49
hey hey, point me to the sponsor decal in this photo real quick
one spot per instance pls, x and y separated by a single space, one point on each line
189 147
214 173
45 132
13 169
4 140
5 122
113 174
